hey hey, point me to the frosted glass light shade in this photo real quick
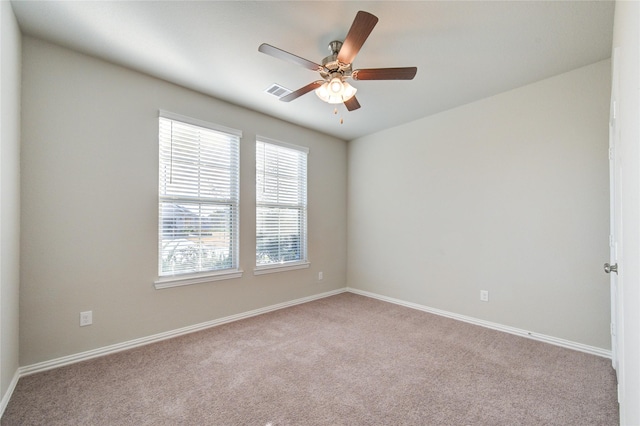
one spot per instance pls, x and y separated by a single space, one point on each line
336 91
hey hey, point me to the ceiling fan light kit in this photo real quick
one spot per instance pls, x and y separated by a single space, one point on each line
336 68
336 91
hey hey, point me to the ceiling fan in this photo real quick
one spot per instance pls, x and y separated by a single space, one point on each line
336 68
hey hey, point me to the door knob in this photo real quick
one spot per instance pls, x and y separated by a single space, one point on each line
611 268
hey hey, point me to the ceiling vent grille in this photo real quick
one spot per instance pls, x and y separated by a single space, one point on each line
277 90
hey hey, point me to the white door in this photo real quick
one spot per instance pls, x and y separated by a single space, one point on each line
615 170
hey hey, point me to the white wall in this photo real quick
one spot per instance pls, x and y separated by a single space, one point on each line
508 194
89 212
626 38
10 40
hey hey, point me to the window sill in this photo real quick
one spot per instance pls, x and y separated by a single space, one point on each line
271 269
178 281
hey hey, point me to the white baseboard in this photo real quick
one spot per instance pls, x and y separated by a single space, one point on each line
7 395
492 325
118 347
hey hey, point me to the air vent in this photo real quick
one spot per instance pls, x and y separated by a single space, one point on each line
277 90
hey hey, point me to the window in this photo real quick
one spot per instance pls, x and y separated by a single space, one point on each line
198 198
281 205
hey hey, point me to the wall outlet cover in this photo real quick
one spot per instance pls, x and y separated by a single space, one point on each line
86 318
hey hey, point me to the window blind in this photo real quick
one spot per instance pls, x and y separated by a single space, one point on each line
198 198
281 200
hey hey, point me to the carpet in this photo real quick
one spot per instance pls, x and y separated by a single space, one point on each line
342 360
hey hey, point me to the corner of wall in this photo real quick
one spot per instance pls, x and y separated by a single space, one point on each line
10 101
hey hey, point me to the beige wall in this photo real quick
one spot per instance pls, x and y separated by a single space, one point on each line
10 40
508 194
89 213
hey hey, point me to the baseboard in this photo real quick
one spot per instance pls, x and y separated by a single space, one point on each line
111 349
7 395
495 326
107 350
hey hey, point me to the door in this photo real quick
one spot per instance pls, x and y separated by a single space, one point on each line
615 169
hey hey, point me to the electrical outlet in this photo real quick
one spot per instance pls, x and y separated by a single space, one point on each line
320 276
484 295
86 318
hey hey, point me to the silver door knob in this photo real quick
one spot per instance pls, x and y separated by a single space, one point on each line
610 268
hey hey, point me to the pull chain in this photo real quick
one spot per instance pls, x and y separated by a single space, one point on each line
335 112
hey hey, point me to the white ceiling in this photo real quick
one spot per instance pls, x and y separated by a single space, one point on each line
464 51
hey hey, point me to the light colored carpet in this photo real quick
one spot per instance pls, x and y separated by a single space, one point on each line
343 360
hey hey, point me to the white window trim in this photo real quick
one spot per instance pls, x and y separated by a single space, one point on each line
283 144
289 266
170 281
271 269
200 123
182 280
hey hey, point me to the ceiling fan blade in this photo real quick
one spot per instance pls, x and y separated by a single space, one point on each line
360 29
301 91
289 57
352 104
406 73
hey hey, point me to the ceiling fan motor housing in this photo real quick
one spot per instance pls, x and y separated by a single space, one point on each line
331 66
